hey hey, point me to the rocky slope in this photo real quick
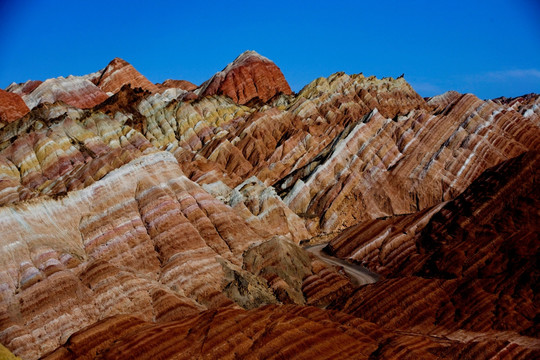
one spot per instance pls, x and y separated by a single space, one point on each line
465 269
269 332
12 107
119 73
166 218
250 76
73 90
177 84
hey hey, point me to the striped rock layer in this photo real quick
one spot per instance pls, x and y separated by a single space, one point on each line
144 240
464 269
269 332
73 90
250 76
169 209
119 73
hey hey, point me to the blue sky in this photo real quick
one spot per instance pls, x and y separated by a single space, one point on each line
490 48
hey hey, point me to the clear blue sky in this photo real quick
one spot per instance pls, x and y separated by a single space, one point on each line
490 48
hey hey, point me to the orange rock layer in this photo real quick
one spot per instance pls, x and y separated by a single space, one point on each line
12 107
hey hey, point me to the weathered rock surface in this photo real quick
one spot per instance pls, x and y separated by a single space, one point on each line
269 332
528 105
89 256
250 76
266 333
262 208
89 90
73 90
324 149
119 73
381 167
24 88
12 107
177 84
148 219
55 157
464 269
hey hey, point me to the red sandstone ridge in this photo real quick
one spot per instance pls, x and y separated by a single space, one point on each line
248 77
119 73
12 107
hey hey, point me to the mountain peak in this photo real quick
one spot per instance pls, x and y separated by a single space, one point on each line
251 55
249 76
119 73
118 62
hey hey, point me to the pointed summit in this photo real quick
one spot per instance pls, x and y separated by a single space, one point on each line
249 55
248 77
119 73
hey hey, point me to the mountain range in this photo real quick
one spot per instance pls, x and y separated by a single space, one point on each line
171 220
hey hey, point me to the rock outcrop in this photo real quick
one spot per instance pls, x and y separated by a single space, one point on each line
250 76
144 219
177 84
528 105
270 332
119 73
73 90
12 107
465 269
24 88
156 240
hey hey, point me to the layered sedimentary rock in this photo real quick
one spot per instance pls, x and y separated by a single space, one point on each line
177 84
264 333
324 149
90 255
24 88
119 73
269 332
262 208
465 269
73 90
149 219
55 157
90 90
381 166
12 107
250 76
528 105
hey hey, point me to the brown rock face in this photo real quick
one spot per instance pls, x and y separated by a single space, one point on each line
248 77
12 107
464 269
119 73
165 222
528 105
270 332
266 333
